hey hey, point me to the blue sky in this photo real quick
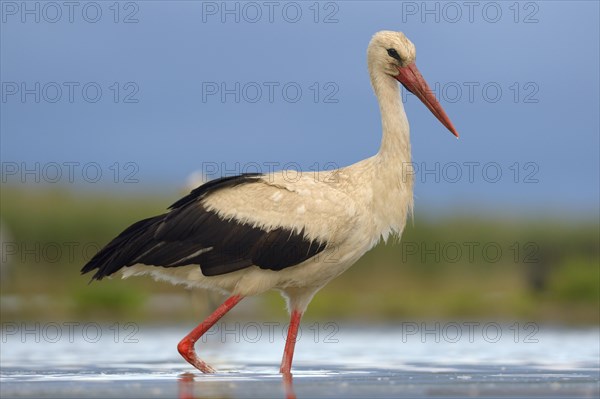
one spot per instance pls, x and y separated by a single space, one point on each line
520 81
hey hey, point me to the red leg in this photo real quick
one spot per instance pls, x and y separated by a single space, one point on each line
186 346
290 343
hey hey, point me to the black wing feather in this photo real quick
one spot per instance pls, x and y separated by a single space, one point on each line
190 234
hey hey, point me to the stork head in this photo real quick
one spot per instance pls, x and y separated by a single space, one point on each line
392 54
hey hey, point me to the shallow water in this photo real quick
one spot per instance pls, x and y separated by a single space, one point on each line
408 360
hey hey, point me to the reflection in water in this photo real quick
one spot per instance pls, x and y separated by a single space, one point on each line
186 384
288 386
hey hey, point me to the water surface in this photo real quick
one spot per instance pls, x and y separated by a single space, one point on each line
409 360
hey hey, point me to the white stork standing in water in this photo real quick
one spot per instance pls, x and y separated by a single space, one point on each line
248 234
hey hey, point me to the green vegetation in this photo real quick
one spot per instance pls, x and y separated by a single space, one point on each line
543 271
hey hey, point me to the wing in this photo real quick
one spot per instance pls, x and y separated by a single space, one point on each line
232 223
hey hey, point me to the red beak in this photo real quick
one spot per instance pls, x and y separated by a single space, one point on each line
411 78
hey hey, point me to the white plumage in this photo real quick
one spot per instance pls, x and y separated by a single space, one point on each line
338 216
341 210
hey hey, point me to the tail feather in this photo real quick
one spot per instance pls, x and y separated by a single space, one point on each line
123 249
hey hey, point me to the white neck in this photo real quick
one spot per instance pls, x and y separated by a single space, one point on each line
395 201
395 143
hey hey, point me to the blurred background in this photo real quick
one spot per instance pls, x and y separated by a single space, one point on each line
110 111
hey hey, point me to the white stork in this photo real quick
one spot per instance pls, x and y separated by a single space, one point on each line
251 233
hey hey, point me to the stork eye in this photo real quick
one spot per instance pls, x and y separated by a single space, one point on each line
394 54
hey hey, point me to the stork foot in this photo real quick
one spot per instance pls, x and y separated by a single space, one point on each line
186 349
186 346
285 370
